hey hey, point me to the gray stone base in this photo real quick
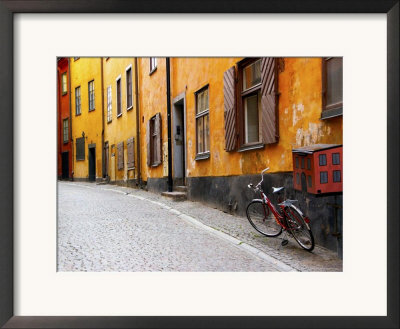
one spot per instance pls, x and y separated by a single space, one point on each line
157 185
231 194
129 183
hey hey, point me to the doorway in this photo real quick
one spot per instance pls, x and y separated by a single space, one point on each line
179 137
64 165
92 162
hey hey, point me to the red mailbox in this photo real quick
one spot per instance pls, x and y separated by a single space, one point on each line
318 168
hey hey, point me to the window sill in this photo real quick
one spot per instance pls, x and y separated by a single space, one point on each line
77 115
91 110
202 156
129 108
155 164
153 70
249 147
131 168
332 113
80 159
108 122
119 115
64 93
65 142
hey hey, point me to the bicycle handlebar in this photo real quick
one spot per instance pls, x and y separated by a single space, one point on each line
266 169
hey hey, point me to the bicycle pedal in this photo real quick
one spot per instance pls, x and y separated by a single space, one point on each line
284 242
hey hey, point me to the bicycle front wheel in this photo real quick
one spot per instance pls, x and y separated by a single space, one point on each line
262 220
299 229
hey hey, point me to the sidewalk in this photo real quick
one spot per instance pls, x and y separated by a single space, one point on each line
319 260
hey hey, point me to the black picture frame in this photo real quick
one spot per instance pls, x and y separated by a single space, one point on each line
8 8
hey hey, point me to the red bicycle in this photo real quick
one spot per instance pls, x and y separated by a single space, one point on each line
269 221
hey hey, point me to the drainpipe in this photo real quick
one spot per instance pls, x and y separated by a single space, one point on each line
102 121
139 178
169 126
70 116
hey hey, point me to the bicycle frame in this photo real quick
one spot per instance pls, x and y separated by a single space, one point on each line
271 207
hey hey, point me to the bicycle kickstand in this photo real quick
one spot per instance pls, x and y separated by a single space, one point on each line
284 239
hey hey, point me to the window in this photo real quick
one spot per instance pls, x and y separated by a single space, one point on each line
153 64
91 95
323 177
297 162
64 83
80 148
336 176
109 104
322 159
202 121
251 101
250 104
308 164
332 87
309 181
78 100
129 88
65 130
153 140
335 158
302 163
119 107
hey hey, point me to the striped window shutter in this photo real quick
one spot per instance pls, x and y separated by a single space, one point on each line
131 154
148 136
120 155
157 128
230 109
269 100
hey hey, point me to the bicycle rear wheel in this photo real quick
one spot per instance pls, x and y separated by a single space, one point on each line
299 229
262 220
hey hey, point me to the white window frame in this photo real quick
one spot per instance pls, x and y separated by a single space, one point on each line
200 116
118 101
126 77
109 103
153 64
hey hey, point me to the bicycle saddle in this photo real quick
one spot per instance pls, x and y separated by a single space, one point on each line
277 189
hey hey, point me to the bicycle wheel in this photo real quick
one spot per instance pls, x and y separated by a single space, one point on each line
262 220
299 229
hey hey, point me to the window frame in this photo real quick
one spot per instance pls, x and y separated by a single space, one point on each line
79 157
153 142
202 115
64 92
329 110
65 130
118 100
89 92
109 104
241 96
152 68
129 69
78 105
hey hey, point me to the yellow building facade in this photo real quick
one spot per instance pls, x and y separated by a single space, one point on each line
87 109
120 113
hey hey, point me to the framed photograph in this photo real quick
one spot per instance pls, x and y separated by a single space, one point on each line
123 47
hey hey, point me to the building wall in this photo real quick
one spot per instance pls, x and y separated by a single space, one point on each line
300 103
90 123
124 126
63 113
153 100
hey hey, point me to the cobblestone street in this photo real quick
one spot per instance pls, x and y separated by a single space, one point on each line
112 228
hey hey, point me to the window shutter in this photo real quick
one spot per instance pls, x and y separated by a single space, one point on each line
120 155
148 136
269 100
158 133
230 109
131 155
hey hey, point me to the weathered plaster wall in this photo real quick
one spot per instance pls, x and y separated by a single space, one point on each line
84 70
153 99
300 104
124 126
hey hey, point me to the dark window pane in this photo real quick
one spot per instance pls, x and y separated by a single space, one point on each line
297 162
334 80
324 177
309 164
302 163
309 181
297 178
336 176
322 159
119 97
336 158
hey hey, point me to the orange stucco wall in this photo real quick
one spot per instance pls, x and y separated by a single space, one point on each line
300 104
